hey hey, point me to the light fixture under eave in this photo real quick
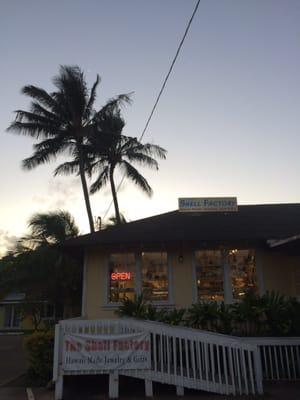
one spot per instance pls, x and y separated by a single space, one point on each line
180 258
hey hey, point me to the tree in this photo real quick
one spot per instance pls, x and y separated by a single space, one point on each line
112 221
39 269
50 228
62 120
109 150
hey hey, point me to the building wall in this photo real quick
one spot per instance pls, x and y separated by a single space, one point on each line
96 281
1 317
183 280
276 272
279 272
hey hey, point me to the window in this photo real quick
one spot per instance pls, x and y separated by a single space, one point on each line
243 272
121 277
12 316
209 275
155 282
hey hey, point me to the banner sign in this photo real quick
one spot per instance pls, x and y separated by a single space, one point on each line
106 352
208 204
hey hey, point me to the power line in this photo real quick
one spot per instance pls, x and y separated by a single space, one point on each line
161 91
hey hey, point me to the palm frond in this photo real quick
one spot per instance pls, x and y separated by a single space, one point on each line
136 177
114 104
142 159
40 95
31 129
38 109
53 227
38 158
67 168
101 180
154 150
72 85
91 101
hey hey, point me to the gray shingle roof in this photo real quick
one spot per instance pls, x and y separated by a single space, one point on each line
250 223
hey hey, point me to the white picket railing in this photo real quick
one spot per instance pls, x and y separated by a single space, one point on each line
184 357
280 357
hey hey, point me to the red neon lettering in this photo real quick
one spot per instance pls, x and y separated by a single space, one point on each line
120 276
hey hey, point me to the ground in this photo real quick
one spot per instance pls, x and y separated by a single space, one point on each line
13 362
13 366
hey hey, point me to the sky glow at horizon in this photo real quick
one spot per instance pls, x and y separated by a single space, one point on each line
229 116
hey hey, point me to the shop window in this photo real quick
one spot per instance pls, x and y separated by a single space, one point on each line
155 283
209 275
121 277
243 272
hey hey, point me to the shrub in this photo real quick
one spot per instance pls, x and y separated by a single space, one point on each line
174 317
248 315
278 313
39 346
203 315
269 315
136 308
225 319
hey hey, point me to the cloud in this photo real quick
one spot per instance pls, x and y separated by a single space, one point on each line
60 194
7 241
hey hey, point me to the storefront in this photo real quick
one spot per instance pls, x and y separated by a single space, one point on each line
178 258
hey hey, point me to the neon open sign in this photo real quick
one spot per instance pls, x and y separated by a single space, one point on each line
120 276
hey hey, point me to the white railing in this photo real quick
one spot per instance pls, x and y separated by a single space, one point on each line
280 357
184 357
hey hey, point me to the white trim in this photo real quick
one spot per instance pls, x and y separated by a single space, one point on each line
194 273
138 274
105 299
275 242
170 262
227 281
259 272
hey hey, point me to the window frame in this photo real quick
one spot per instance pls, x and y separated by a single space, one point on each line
138 279
227 279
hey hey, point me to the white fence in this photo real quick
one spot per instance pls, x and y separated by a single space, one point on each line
280 357
184 357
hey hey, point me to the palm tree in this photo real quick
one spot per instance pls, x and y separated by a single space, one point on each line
112 221
38 268
50 228
62 120
109 149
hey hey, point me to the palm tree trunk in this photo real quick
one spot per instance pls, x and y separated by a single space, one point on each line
114 195
86 196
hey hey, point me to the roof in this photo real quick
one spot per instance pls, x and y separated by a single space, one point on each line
13 298
258 223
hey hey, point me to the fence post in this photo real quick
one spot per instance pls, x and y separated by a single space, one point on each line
179 390
148 388
258 370
59 387
57 361
114 384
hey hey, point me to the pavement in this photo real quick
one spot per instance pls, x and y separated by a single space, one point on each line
273 391
13 361
96 388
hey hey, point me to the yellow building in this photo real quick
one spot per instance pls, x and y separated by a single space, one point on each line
177 258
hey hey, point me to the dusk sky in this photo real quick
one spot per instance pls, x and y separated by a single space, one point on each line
229 117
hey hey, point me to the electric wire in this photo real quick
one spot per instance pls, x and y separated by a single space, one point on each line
160 92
